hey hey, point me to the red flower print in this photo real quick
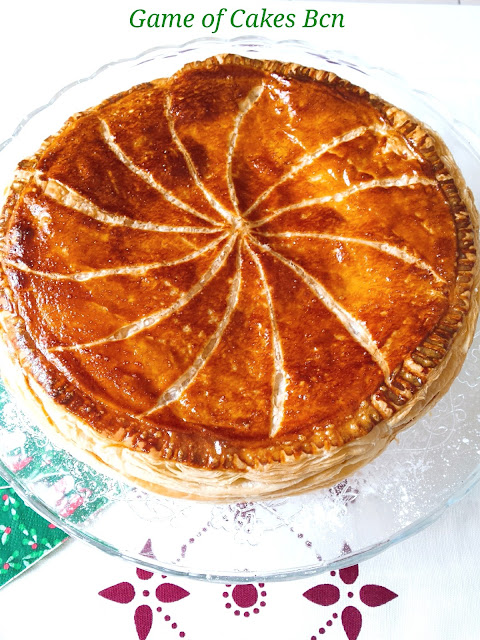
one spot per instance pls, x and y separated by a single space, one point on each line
148 553
68 497
144 575
349 574
122 592
245 595
18 463
245 599
352 622
4 533
165 592
326 595
373 595
71 506
143 619
170 592
147 550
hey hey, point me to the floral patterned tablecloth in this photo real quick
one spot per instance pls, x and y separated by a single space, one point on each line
425 588
25 537
248 600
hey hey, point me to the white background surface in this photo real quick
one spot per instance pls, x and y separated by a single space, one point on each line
44 46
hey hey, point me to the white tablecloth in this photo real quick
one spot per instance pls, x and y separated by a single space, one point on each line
435 576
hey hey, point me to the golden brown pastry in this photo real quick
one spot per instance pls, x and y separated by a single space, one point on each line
236 282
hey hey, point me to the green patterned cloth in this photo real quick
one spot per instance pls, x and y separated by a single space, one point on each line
69 489
65 486
25 537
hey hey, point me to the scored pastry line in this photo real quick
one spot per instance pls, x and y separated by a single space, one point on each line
280 377
307 159
284 97
68 197
182 383
227 215
354 327
245 107
149 321
109 138
140 269
384 183
385 247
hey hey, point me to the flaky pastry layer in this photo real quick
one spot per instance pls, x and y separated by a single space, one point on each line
291 420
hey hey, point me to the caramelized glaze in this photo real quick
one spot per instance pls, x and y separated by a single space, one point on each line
234 264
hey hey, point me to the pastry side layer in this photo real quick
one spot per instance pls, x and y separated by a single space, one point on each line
263 264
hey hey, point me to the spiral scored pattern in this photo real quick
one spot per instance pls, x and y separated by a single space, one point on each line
231 263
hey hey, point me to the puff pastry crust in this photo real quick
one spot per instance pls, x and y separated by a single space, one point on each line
237 282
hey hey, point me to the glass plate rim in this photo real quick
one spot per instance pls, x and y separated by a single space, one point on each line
467 136
37 504
338 56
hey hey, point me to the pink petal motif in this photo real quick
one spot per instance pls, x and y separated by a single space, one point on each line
170 592
373 595
346 549
148 553
352 622
19 464
144 575
71 505
147 550
349 574
324 594
122 592
143 621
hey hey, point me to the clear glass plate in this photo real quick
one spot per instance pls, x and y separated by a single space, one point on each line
428 467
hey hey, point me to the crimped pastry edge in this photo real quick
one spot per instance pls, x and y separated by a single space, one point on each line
177 480
297 473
